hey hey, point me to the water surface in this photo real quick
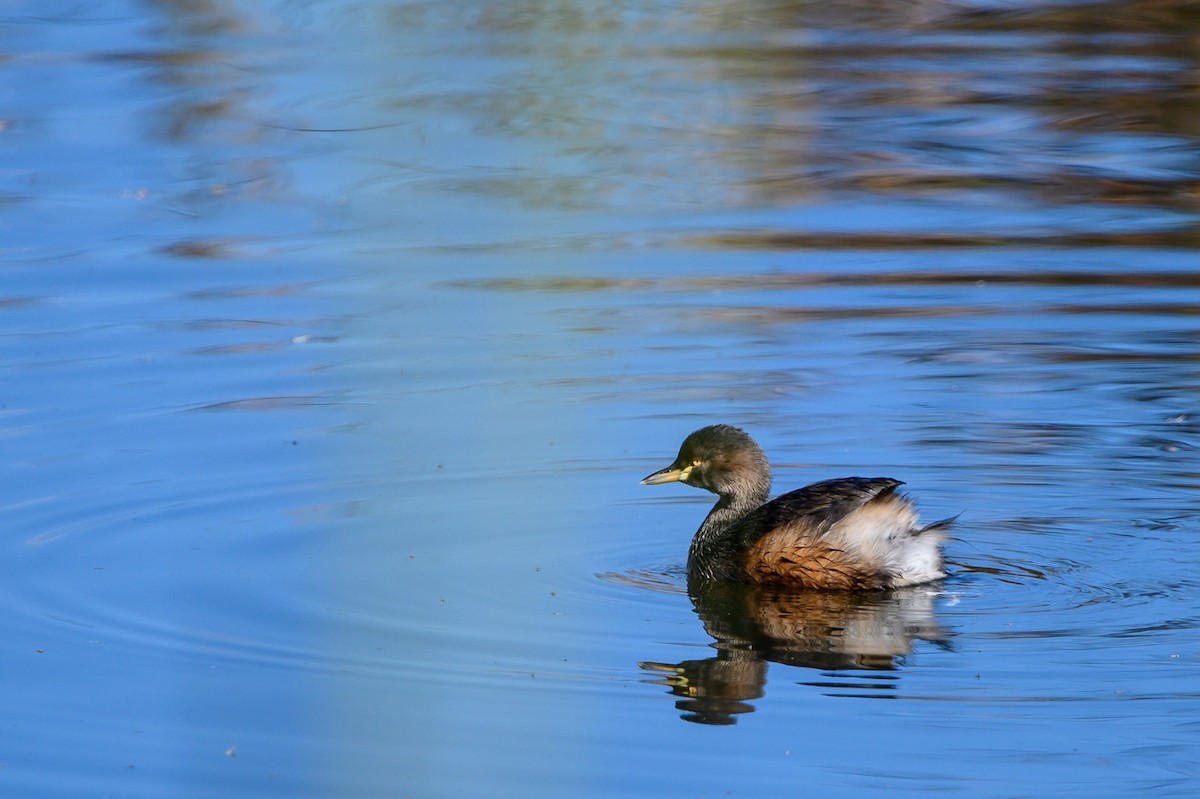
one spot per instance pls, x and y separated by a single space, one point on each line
338 335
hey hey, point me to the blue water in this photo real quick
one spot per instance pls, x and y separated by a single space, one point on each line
337 335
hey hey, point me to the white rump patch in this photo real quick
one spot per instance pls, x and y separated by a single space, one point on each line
886 534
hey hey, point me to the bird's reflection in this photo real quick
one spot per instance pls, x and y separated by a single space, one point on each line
754 624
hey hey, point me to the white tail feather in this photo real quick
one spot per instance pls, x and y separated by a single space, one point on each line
885 533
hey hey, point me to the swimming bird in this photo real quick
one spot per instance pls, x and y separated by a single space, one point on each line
842 534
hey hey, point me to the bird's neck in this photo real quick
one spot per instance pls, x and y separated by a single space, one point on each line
711 546
729 508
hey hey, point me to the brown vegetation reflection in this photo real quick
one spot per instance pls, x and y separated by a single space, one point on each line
939 122
1091 103
757 105
829 631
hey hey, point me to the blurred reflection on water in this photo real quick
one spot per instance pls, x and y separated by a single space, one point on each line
986 117
830 631
339 333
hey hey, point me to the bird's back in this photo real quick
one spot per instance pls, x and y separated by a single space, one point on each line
847 533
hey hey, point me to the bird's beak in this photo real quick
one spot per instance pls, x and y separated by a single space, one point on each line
668 475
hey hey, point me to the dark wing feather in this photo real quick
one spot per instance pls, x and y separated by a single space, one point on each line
818 506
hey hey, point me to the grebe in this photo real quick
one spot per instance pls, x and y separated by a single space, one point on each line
843 534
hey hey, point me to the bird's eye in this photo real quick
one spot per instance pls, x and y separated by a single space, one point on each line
696 462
